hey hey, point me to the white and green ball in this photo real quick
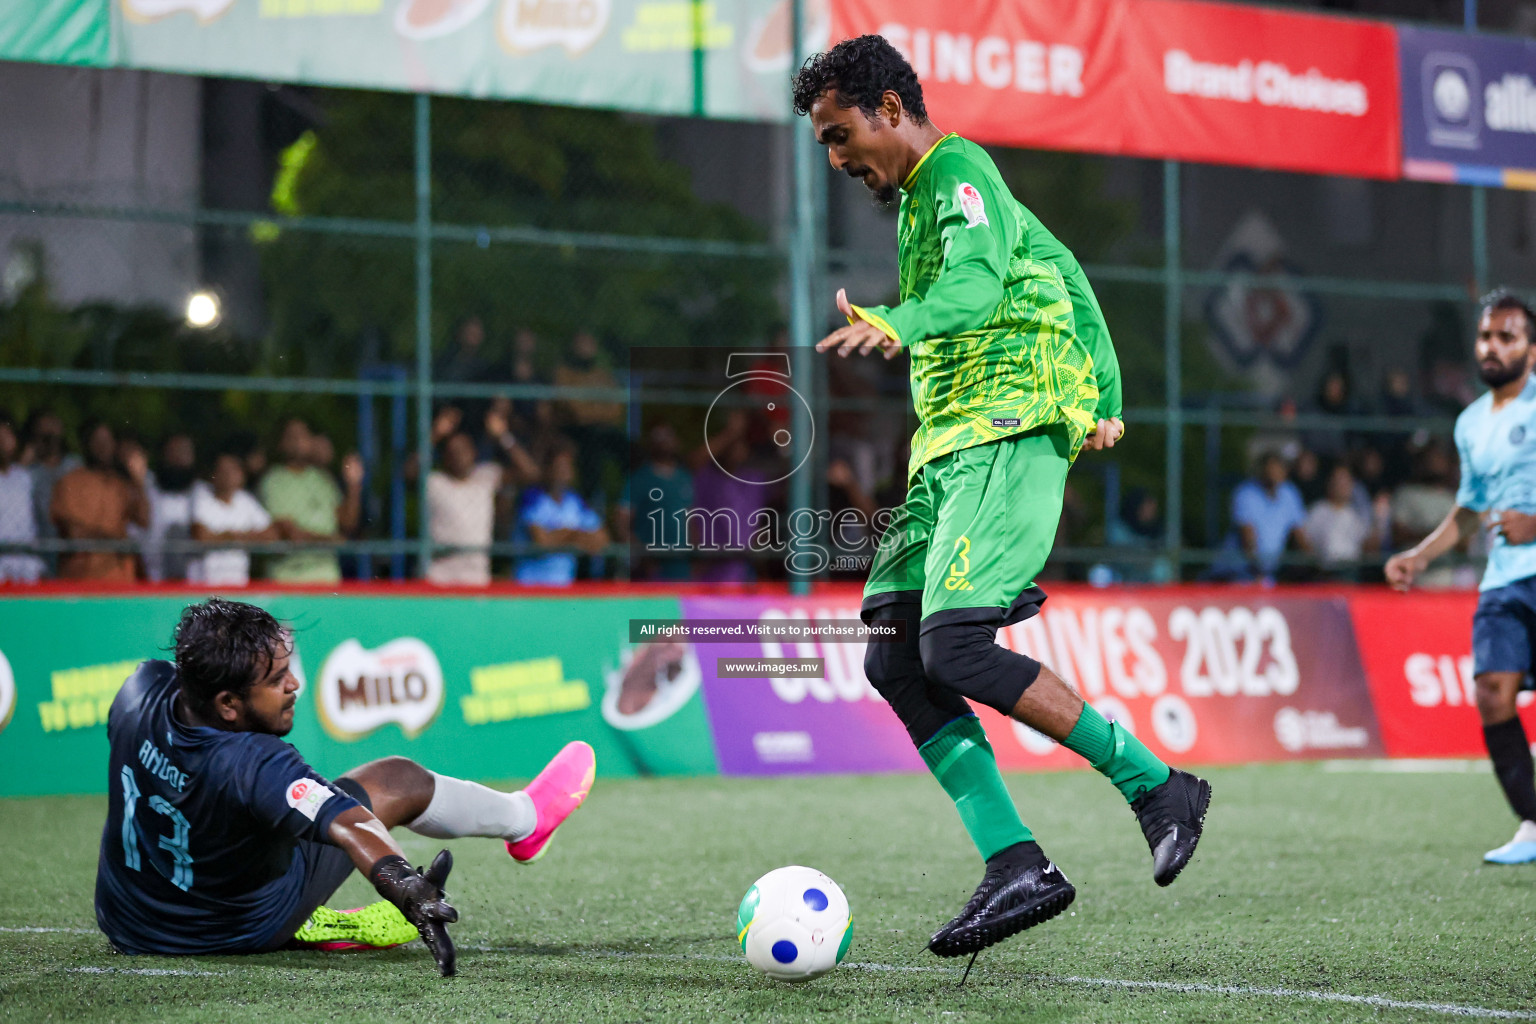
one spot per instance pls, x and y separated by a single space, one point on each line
794 924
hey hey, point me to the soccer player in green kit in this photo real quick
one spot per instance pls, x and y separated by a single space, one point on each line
1012 374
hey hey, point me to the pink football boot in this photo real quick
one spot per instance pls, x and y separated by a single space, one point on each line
557 791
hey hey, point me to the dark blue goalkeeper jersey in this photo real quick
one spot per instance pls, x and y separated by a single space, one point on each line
200 853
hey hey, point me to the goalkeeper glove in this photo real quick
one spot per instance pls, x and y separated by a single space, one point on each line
419 896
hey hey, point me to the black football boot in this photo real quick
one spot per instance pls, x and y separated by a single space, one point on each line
1171 817
1020 890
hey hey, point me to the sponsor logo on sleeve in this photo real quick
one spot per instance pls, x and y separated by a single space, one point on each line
361 689
307 797
971 205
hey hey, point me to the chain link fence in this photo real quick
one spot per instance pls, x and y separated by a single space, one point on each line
372 336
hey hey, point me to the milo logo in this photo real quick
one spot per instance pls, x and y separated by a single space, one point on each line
527 25
362 689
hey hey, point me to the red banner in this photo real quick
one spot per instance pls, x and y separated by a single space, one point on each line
1241 85
1201 677
1048 74
1164 78
1417 652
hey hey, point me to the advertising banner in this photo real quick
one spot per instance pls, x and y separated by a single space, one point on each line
1200 677
1417 652
1048 73
1227 84
476 687
724 58
57 31
1468 108
1210 82
775 726
1216 83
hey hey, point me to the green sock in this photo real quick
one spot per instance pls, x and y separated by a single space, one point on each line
961 759
1118 755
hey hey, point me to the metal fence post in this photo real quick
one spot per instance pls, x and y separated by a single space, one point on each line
1480 282
801 256
423 150
1173 367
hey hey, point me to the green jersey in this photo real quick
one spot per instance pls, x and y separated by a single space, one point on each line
1003 329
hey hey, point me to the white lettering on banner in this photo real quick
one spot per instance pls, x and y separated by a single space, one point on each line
782 747
842 663
1267 82
1316 730
1227 649
1094 647
1510 104
1434 681
993 61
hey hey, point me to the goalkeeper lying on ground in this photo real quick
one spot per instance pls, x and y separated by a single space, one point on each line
221 839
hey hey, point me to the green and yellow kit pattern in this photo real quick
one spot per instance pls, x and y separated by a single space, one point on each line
1004 332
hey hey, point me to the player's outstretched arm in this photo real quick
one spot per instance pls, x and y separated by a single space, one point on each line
418 895
1404 567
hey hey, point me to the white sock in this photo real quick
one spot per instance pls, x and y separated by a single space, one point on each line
460 808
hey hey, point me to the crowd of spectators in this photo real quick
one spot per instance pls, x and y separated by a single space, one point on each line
122 520
538 489
1330 503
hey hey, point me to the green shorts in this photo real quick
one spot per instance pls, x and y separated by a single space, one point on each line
975 530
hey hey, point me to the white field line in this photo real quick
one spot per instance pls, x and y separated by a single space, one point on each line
52 931
155 971
1410 766
1192 988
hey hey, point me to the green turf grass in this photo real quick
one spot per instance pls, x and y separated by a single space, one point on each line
1369 884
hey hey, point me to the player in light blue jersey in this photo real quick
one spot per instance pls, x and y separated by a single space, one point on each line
1496 439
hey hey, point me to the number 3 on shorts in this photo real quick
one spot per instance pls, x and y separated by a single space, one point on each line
960 566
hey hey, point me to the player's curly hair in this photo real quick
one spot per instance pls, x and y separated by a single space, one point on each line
860 71
1504 299
225 646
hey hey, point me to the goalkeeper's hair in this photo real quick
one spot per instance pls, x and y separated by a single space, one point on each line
1503 299
859 72
225 646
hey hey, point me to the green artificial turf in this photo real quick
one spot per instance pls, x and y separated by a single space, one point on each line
1307 880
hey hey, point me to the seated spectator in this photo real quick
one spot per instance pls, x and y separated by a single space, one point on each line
226 513
529 415
1420 505
660 494
1336 531
597 427
98 502
850 530
44 455
308 507
322 454
1267 512
554 516
1138 527
726 492
464 361
18 523
1333 399
170 510
461 503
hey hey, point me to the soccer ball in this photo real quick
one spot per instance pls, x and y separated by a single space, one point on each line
794 924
